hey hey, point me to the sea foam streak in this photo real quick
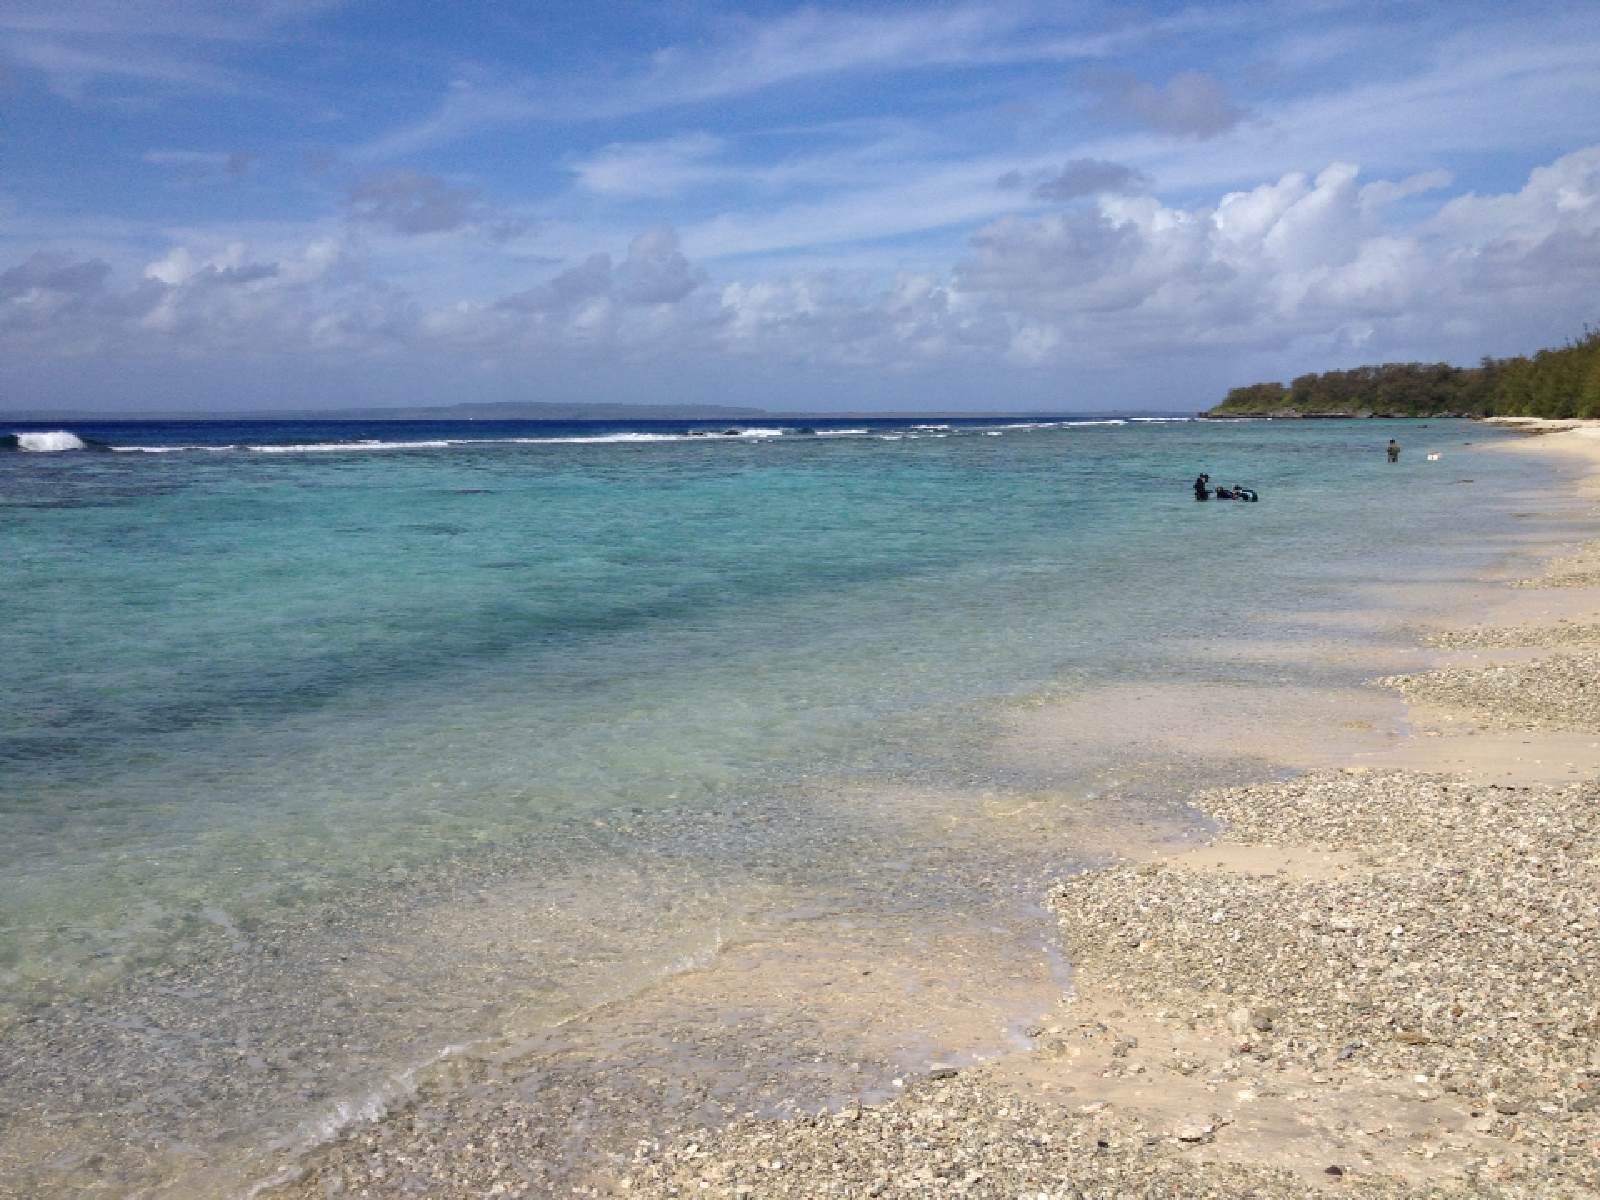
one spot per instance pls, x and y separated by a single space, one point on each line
914 432
446 443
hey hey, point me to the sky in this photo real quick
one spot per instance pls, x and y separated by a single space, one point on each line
1008 206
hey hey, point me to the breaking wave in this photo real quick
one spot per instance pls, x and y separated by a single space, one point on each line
52 442
742 434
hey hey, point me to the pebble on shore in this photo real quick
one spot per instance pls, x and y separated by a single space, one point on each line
1580 569
1463 954
1559 692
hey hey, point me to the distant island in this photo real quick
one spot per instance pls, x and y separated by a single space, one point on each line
513 410
1560 383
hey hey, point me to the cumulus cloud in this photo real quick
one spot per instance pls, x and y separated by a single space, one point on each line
1383 192
655 271
47 291
1301 258
1305 260
915 321
194 304
1081 258
589 280
51 274
1191 104
410 202
1078 178
227 266
1307 264
1537 244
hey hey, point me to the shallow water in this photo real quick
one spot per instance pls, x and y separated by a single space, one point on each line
330 748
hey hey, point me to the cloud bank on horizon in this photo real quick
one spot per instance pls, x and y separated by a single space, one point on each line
219 204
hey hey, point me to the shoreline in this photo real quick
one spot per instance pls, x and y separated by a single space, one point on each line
823 940
820 1002
1380 975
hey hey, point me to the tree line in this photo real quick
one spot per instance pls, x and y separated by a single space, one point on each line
1559 382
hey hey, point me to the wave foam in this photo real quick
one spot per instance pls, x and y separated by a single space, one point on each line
367 444
334 447
599 439
731 434
49 443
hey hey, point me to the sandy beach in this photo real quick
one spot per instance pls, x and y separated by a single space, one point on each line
1378 975
1380 978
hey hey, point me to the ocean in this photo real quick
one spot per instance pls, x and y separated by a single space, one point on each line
331 751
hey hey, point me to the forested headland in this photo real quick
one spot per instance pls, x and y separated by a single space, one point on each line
1560 382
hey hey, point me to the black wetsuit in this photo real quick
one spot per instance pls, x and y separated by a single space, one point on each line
1200 492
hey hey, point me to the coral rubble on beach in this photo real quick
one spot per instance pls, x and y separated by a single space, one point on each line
1422 1015
1377 982
1561 692
1579 569
1558 692
1483 637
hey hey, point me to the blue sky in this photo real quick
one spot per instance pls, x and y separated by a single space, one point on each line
315 203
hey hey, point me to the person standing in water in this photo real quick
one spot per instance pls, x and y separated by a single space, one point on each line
1200 487
1394 450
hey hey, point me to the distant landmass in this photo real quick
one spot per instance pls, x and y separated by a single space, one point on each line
531 411
504 411
1558 383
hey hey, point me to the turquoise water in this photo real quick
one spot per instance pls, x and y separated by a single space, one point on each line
253 686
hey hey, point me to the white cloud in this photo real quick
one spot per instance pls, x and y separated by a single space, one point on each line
467 107
746 56
655 271
78 45
1297 260
1381 193
46 291
72 69
660 168
1306 267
